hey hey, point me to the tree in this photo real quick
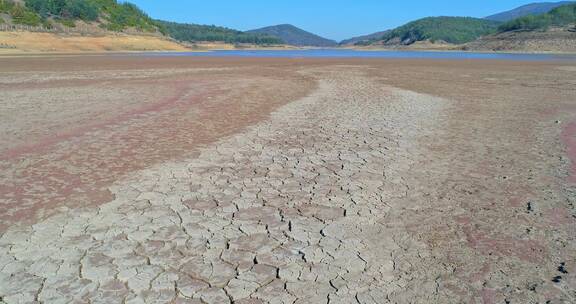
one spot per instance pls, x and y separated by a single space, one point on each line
21 15
6 6
81 9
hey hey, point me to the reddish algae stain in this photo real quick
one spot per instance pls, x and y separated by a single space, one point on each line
488 296
526 250
559 216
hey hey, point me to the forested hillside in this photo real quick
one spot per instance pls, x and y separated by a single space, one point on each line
455 30
363 40
560 16
195 32
109 13
294 36
118 16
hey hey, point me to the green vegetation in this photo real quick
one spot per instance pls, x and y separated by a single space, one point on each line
68 22
449 29
113 16
65 9
5 6
195 32
560 16
294 36
364 42
22 15
123 15
19 14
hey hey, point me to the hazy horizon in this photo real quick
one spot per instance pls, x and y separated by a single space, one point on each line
338 21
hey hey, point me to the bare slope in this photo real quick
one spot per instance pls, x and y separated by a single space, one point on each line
14 42
558 39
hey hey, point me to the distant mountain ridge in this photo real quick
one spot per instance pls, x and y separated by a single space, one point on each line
294 36
526 10
364 38
562 16
201 33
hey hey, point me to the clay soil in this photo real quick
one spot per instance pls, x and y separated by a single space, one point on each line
132 179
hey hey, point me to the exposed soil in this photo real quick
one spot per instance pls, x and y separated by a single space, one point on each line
218 180
555 40
66 136
23 42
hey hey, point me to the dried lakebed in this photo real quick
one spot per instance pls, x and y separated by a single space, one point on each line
360 192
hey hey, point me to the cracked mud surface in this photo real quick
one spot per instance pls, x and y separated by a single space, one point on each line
390 182
62 146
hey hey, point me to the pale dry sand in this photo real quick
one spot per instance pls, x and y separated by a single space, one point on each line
221 180
41 44
31 42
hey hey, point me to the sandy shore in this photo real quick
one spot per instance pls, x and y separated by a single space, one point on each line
50 44
31 42
215 180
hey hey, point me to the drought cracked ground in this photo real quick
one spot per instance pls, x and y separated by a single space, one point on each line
368 182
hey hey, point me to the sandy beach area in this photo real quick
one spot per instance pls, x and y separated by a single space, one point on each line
143 179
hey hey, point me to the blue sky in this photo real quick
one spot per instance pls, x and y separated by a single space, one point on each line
334 19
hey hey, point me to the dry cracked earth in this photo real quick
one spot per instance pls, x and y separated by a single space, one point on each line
287 181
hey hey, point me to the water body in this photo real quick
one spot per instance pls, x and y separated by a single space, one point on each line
347 53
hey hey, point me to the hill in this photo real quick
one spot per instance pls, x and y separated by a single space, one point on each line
295 36
95 16
195 32
364 39
563 16
526 10
554 31
552 40
453 30
107 14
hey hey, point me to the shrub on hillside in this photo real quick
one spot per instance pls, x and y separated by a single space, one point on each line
6 6
21 15
68 22
364 42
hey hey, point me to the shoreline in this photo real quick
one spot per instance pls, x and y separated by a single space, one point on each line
463 51
21 53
